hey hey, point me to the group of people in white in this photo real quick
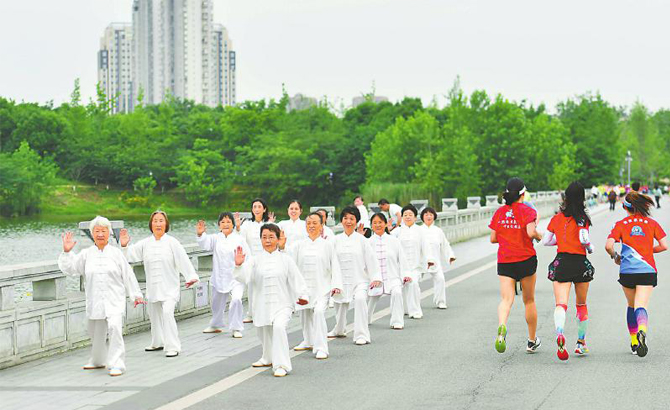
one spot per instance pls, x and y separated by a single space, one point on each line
294 265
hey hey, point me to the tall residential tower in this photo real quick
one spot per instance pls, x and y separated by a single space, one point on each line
115 66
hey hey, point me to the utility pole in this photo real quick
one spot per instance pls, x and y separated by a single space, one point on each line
629 159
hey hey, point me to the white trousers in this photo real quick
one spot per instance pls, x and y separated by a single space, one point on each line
397 310
439 291
234 311
113 356
314 327
275 341
411 293
361 328
164 326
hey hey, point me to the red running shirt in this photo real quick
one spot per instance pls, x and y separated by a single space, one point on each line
636 234
567 234
509 223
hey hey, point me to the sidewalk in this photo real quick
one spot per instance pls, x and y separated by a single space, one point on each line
60 383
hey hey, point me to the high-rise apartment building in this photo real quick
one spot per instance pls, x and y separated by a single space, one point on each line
115 66
223 74
177 50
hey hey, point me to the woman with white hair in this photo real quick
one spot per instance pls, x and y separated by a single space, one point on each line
164 259
108 278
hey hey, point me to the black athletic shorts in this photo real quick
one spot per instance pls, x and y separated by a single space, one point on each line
570 267
630 280
518 270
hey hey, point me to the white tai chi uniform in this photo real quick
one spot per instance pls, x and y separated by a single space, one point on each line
277 285
359 269
365 217
416 251
390 259
294 231
251 233
328 234
164 259
223 284
320 268
440 254
108 278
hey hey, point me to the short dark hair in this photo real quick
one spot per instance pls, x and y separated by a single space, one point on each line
167 221
315 213
383 201
325 213
228 215
358 196
409 207
271 227
635 186
380 216
350 210
428 210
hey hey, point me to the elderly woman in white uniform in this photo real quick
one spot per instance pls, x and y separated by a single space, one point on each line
108 279
277 285
441 255
359 273
392 266
164 259
416 257
250 230
294 228
223 246
316 260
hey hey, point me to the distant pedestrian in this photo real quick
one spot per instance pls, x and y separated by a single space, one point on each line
440 254
658 194
611 198
637 272
393 213
569 230
513 228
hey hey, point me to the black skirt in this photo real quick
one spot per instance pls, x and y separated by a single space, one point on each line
570 267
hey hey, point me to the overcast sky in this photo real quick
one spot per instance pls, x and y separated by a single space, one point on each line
540 51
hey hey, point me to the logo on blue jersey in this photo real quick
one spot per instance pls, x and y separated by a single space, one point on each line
636 231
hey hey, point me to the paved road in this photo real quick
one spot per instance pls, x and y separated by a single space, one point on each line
445 360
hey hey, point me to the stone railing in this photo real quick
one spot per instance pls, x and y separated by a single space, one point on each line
55 319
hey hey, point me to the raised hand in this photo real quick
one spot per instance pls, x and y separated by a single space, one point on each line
200 227
360 229
238 220
68 241
271 217
239 256
124 238
282 240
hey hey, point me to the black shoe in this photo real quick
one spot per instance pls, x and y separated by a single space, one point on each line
642 347
153 349
533 345
633 348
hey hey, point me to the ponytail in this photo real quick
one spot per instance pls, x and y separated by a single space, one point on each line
638 203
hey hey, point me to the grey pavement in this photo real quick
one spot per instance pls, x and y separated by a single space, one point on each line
445 360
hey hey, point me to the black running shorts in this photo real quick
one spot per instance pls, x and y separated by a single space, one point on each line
518 270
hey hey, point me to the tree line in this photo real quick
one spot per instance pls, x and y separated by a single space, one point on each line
467 147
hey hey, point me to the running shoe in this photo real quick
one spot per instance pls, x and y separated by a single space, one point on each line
642 348
633 349
562 352
500 340
533 345
581 349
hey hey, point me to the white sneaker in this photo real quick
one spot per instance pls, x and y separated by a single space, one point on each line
115 372
237 334
248 319
211 329
397 327
91 366
361 342
260 363
302 346
172 353
281 372
442 306
416 317
333 335
321 355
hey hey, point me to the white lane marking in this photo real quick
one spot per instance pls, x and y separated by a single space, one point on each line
243 375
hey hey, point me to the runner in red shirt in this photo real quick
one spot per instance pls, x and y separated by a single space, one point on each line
637 274
569 229
513 228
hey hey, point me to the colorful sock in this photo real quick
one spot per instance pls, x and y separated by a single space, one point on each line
582 321
559 318
641 318
632 325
